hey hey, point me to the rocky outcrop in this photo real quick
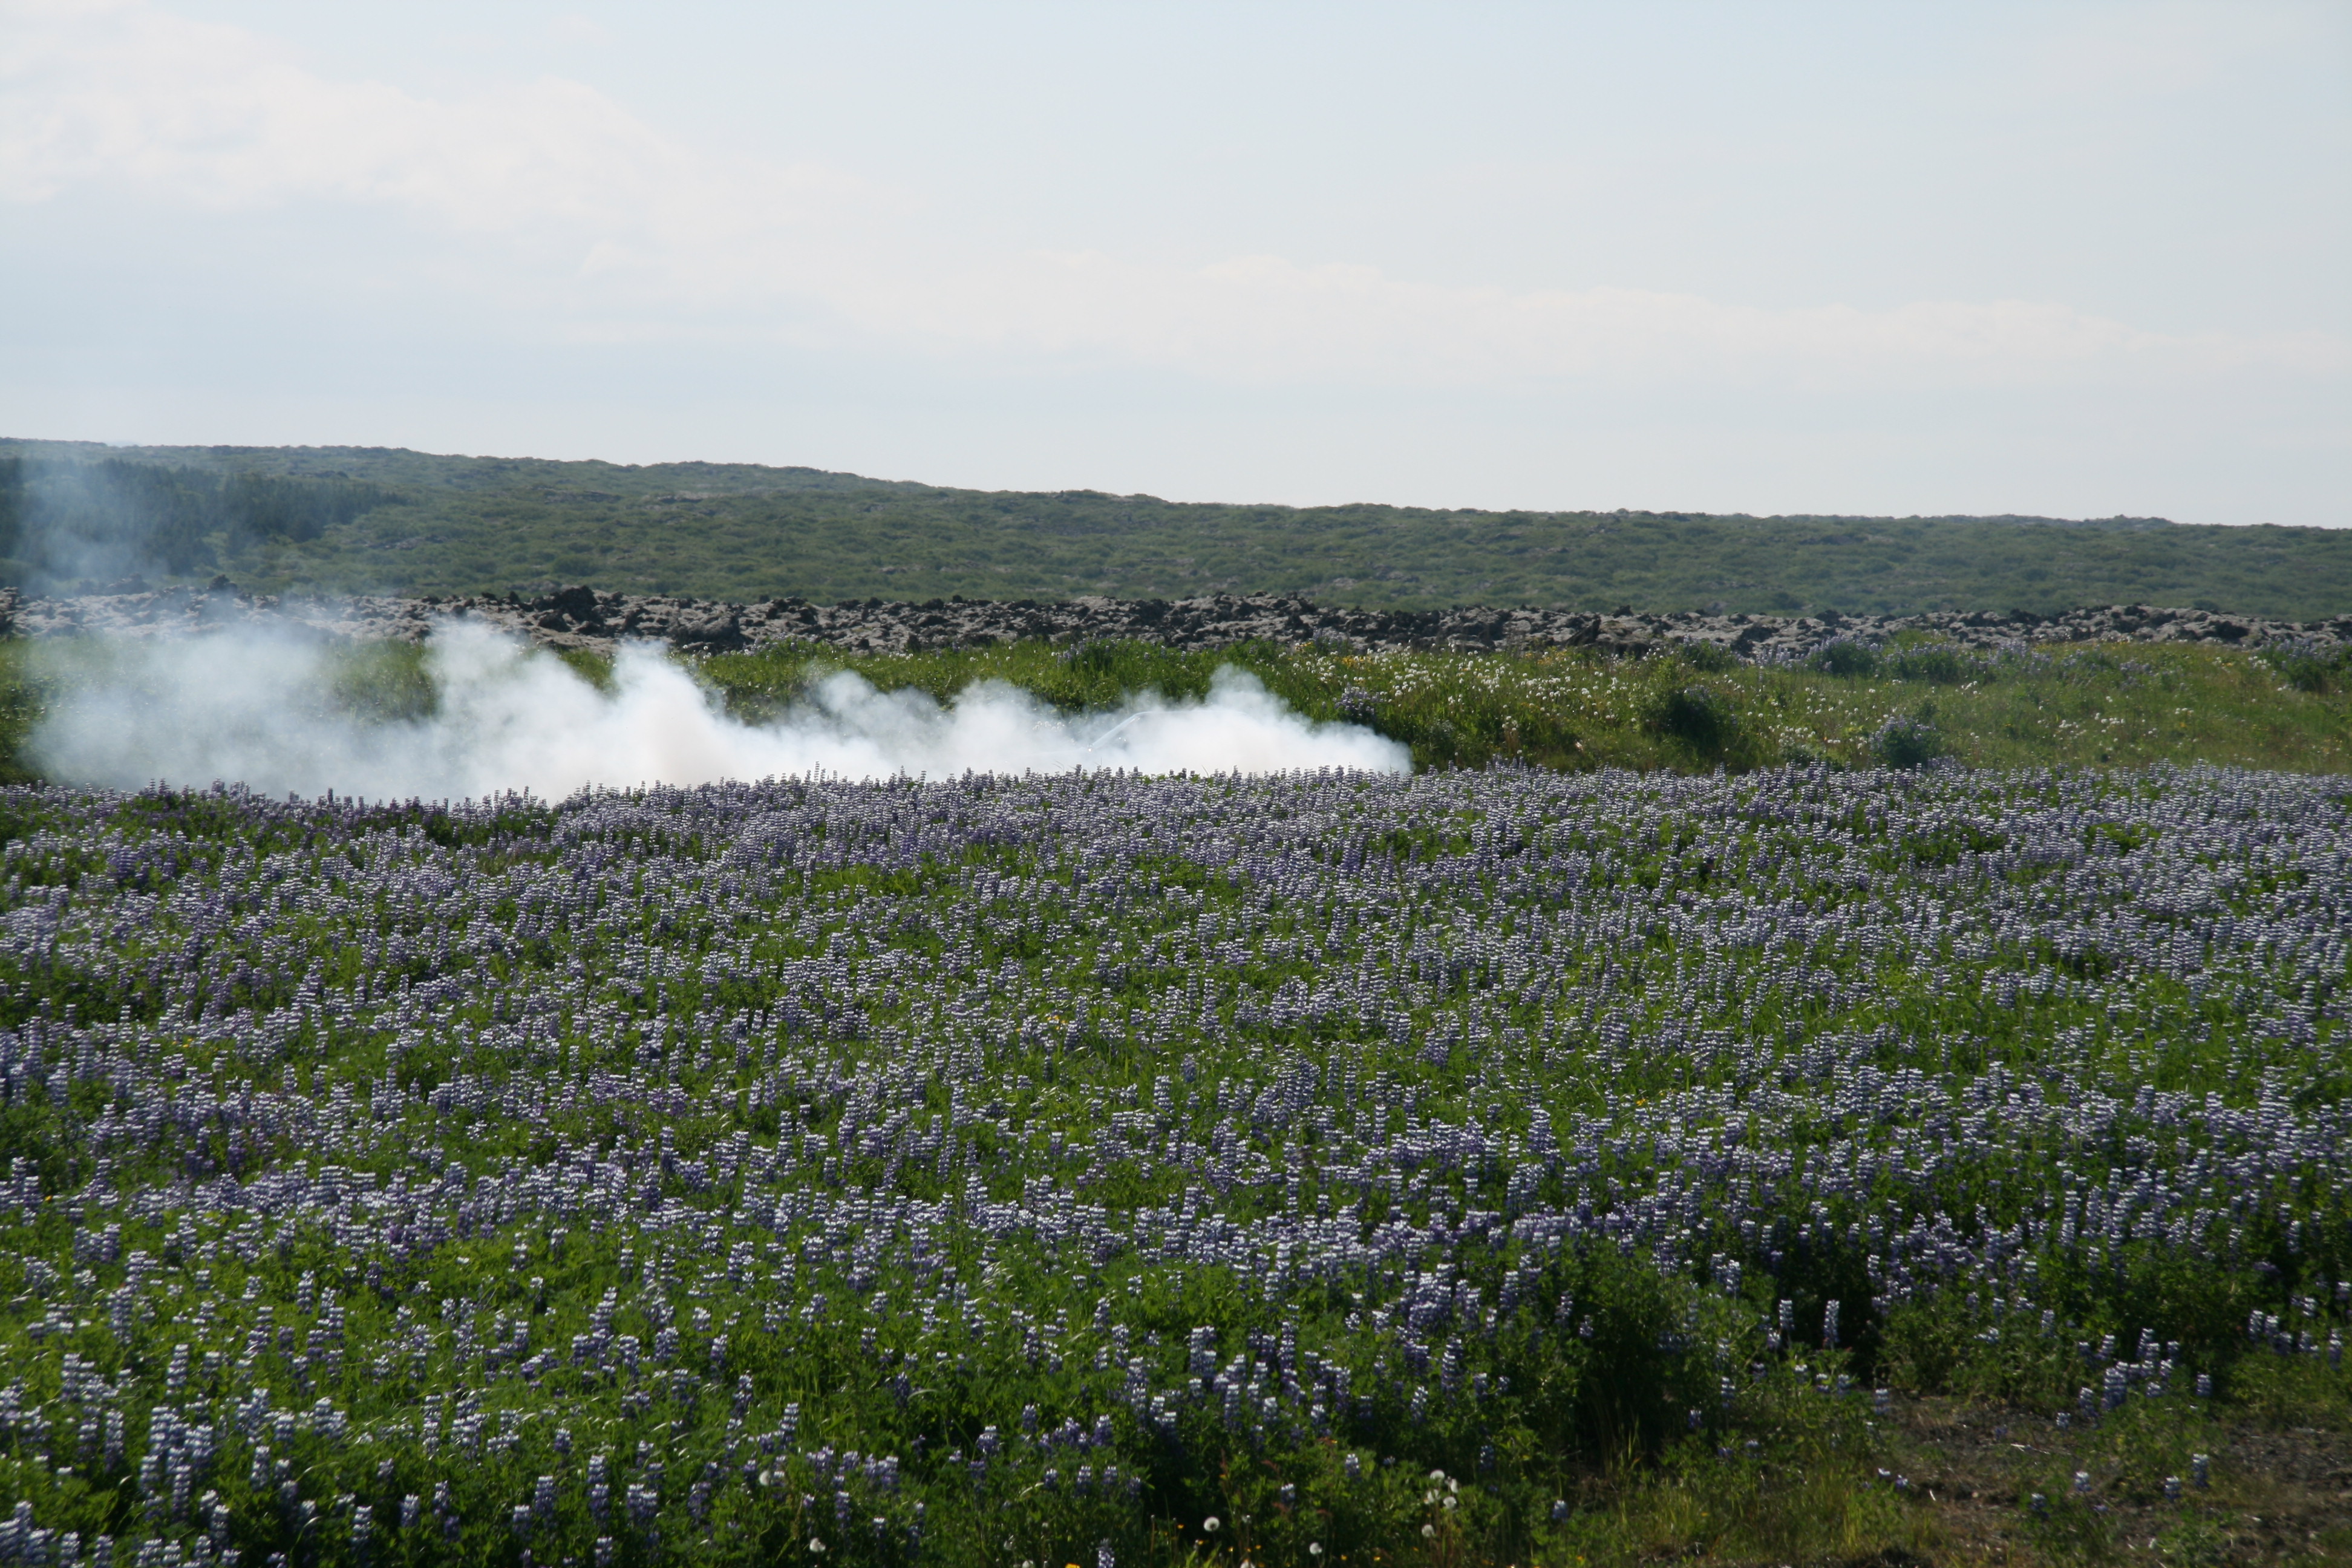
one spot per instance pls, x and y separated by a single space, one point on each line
581 617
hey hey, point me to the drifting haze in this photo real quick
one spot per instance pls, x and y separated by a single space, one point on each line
254 710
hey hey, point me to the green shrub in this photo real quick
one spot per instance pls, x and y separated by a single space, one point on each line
1937 664
1710 658
1843 656
1700 717
2306 668
1909 743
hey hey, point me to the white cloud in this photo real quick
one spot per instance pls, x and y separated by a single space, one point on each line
121 93
552 192
2162 50
1267 318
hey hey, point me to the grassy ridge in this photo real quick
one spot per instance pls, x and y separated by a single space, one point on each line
2124 706
2116 705
745 531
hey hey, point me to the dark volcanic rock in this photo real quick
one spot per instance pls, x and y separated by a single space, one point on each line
581 617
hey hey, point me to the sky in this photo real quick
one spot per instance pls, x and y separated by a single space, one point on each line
2058 258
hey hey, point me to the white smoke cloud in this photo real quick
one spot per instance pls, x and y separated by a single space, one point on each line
252 708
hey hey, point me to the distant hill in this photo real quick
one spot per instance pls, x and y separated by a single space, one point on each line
354 519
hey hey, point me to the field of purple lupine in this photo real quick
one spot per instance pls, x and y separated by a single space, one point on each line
1106 1168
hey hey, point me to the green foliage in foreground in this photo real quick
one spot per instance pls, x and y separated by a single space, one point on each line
462 525
1433 1172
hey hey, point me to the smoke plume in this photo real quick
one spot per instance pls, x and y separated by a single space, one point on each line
65 522
236 706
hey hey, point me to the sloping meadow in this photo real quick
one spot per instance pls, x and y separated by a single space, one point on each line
1111 1169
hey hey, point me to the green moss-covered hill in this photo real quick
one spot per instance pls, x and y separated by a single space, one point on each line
373 519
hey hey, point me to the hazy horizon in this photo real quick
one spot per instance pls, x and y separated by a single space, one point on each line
2066 260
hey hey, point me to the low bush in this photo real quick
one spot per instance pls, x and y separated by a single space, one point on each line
1913 742
1845 656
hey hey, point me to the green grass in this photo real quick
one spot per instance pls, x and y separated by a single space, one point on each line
2130 707
2108 706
